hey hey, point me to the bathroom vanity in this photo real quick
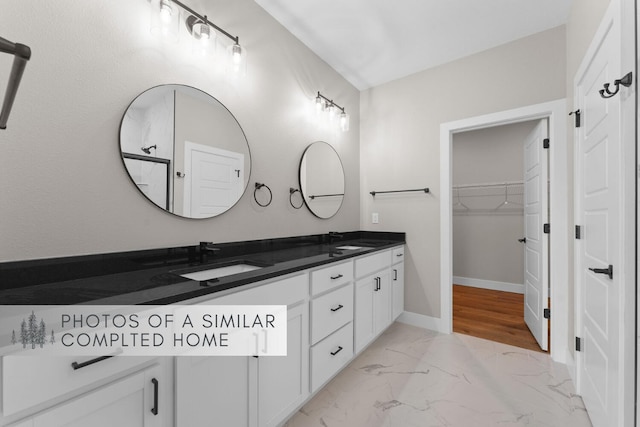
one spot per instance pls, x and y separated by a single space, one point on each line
340 295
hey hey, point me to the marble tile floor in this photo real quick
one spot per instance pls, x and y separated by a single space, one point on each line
413 377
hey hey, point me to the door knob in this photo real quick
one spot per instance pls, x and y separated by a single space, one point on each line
608 271
523 240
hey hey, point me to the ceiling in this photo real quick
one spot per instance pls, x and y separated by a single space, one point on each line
370 42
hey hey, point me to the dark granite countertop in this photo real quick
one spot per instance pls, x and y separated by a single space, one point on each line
153 276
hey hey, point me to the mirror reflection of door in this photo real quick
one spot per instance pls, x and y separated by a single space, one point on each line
154 130
213 182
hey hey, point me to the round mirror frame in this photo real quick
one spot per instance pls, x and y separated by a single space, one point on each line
172 174
303 189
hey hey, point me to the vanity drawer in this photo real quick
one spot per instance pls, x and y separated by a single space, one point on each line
331 311
397 255
331 277
369 264
31 380
330 355
287 291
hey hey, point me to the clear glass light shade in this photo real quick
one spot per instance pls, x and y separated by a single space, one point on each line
344 122
237 59
204 37
319 104
332 111
165 19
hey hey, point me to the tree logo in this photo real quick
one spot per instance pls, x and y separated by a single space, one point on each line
33 333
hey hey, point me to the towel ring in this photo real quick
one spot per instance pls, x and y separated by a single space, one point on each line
259 186
292 191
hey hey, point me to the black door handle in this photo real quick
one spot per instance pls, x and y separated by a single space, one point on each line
608 271
337 308
523 240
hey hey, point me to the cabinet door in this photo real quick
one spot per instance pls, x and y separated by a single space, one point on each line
130 402
283 381
397 286
382 301
364 321
212 391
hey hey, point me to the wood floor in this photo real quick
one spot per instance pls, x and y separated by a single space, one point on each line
493 315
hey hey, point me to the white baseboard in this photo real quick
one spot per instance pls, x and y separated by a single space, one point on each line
517 288
420 320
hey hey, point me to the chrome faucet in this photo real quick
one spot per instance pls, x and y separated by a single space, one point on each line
205 248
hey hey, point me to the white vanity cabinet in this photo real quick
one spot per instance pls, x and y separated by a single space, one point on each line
397 282
250 391
133 401
373 297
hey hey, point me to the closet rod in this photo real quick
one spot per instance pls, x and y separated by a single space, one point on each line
490 185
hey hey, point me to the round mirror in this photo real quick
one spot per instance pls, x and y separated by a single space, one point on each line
322 179
185 151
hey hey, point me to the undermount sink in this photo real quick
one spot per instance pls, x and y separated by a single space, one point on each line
217 272
349 248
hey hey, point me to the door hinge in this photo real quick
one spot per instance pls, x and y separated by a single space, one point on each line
545 143
577 118
547 313
578 344
578 232
547 228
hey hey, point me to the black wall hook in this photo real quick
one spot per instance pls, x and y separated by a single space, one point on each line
625 81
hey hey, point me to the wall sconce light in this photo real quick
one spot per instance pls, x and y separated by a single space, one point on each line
200 28
325 104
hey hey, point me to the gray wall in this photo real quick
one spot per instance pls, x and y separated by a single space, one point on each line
64 189
400 131
485 243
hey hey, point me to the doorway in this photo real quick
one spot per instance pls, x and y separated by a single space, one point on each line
555 112
500 253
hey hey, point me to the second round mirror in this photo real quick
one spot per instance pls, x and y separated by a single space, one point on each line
322 179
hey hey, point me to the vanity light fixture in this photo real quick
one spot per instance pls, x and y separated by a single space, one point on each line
21 53
325 104
204 31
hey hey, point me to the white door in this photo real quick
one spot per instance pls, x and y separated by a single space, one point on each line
214 180
536 252
597 252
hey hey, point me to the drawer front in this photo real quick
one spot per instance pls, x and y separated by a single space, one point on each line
287 291
331 311
397 255
331 277
330 355
372 263
31 380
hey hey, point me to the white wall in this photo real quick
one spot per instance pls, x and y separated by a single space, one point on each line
485 242
63 187
400 130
